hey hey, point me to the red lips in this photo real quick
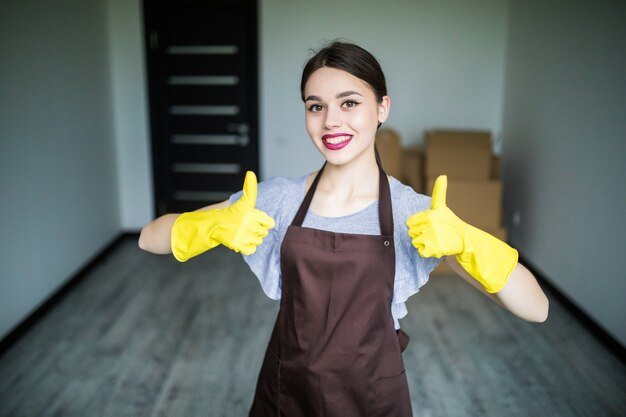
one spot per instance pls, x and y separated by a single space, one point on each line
333 144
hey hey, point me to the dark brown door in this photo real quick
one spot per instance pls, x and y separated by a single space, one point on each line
202 75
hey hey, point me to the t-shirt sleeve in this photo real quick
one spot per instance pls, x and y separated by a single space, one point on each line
275 197
412 271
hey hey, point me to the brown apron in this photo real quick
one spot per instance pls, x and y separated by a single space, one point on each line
334 351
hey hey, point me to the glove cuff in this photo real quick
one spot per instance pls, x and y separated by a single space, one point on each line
186 238
488 259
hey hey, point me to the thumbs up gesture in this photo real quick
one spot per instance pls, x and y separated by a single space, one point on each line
439 232
435 232
240 227
243 227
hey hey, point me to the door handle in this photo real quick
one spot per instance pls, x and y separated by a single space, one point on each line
243 140
242 129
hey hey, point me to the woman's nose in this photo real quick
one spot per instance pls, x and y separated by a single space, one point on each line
333 117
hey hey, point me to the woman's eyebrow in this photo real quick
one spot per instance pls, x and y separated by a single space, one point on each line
313 98
348 93
340 95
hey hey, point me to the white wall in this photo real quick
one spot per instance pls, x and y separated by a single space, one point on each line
444 63
58 183
565 148
130 112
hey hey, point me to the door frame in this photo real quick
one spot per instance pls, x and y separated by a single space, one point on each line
159 155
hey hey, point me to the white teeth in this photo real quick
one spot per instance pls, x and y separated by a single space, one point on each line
337 139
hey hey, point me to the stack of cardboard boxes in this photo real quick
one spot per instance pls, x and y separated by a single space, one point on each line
412 170
474 186
389 148
402 163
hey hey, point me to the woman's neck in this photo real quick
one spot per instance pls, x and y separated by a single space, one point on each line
347 188
356 177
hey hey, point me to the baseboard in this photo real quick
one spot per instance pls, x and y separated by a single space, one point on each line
23 327
610 342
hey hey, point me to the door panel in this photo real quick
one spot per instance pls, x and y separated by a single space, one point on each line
199 94
202 69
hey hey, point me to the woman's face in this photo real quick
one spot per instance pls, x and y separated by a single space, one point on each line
342 114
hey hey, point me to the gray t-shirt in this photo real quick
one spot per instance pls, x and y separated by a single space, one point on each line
281 197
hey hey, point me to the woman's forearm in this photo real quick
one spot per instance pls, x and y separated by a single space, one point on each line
155 236
521 295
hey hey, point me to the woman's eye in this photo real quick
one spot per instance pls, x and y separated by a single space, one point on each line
315 108
350 103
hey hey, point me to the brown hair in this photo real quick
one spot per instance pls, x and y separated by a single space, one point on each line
351 58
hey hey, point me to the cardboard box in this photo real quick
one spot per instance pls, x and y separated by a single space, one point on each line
499 232
478 203
413 168
466 138
389 147
458 154
444 269
496 167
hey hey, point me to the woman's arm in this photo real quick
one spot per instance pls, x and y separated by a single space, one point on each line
155 236
521 294
480 258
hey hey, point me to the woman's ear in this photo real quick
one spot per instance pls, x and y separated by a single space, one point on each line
383 109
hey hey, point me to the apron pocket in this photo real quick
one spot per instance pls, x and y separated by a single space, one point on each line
392 396
344 389
266 396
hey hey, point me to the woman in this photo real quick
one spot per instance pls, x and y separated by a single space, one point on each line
343 248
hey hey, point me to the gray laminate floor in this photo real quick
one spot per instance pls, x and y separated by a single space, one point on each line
143 335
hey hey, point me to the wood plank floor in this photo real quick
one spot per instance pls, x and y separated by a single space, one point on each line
144 335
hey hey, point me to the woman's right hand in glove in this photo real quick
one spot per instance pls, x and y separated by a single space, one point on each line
240 227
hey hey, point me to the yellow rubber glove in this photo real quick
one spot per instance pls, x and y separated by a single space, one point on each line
439 232
240 226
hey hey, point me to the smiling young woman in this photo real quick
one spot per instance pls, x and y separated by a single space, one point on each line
342 115
343 248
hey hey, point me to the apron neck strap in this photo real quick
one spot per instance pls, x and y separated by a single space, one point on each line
385 214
